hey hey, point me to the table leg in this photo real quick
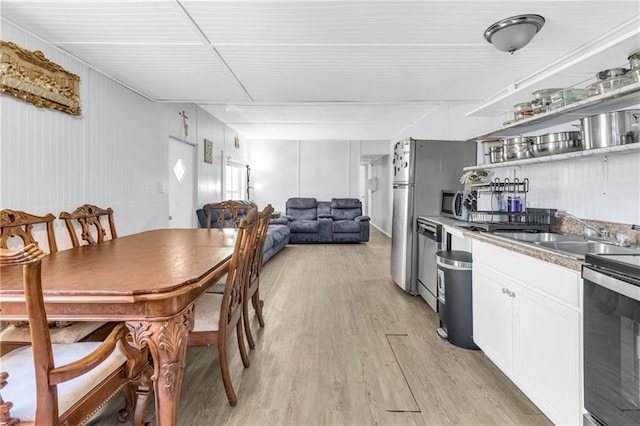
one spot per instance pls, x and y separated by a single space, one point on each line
167 341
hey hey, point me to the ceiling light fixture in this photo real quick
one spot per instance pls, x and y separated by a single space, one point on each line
513 33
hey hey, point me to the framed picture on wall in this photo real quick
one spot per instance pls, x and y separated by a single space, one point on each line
208 151
236 142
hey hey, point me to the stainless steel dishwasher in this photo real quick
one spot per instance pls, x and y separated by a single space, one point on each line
429 243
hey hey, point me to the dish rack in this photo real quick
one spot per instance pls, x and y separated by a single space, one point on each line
498 215
534 219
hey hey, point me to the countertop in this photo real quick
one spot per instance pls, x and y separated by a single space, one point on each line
523 248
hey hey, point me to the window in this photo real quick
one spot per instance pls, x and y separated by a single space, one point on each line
235 187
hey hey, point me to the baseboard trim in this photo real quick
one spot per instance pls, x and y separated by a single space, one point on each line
379 229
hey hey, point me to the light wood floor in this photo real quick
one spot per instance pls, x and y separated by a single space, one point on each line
343 345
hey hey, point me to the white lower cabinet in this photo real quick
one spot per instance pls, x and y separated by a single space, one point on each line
493 317
532 333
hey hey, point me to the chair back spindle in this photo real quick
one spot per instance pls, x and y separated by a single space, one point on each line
92 230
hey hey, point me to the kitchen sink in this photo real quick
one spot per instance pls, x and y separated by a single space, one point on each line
533 237
581 248
574 245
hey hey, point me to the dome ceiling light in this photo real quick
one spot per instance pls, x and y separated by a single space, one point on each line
513 33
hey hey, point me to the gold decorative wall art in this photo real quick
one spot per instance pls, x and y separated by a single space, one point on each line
30 76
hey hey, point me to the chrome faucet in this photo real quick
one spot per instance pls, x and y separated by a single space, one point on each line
602 233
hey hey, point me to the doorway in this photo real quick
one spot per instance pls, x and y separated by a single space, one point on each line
181 184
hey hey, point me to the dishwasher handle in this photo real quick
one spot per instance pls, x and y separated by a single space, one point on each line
429 231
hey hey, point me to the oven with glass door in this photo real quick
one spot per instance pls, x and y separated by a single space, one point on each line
612 339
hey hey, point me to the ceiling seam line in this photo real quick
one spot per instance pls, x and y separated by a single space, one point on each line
81 61
210 45
319 103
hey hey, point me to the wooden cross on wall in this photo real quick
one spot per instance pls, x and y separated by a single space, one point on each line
185 122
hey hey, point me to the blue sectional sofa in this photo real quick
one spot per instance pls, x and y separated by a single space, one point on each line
277 234
337 221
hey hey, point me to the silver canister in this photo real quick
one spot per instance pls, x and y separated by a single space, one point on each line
496 154
517 148
556 143
487 144
611 129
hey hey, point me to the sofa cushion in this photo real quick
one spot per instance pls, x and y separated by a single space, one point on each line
341 226
279 221
345 203
345 214
277 237
302 203
345 208
307 226
302 208
277 232
302 214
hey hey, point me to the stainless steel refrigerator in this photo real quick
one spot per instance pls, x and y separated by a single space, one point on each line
421 169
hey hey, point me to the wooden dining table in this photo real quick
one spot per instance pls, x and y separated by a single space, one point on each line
149 280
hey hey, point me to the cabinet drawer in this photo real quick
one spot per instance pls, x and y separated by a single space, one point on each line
553 280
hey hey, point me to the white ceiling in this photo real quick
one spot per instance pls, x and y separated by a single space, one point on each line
313 69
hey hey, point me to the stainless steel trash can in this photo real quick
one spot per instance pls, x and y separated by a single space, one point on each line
455 297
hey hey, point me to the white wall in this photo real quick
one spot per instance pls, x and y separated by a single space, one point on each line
381 203
377 156
114 155
210 176
324 169
590 188
320 169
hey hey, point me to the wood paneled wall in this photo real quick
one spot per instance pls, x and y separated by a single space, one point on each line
590 188
114 154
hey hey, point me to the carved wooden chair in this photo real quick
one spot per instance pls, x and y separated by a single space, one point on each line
253 283
225 214
66 384
92 230
19 224
216 315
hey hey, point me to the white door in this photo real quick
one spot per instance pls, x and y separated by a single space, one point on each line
181 184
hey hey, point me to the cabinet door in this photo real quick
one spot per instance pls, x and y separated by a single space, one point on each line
546 362
493 316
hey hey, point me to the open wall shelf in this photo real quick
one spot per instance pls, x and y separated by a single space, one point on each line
618 99
611 150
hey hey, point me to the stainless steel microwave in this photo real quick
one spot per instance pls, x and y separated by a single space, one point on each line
451 204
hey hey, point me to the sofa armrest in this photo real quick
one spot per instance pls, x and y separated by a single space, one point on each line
325 216
362 218
279 221
289 218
